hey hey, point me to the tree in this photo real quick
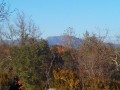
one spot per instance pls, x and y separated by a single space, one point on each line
4 11
70 52
68 38
22 32
30 63
28 53
95 58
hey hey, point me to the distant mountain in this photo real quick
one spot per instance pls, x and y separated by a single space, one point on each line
16 42
54 40
115 45
58 40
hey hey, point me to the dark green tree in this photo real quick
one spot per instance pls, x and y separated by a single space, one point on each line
30 62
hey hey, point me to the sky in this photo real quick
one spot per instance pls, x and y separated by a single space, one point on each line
55 16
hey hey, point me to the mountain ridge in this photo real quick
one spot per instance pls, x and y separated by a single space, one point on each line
59 40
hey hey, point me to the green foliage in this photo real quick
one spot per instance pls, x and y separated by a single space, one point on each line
67 60
30 62
92 66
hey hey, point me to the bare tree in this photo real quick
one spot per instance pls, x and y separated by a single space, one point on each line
69 42
68 38
4 11
95 57
24 31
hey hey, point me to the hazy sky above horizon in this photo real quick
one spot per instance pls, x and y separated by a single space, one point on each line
55 16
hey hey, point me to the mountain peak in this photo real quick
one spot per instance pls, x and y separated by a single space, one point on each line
58 40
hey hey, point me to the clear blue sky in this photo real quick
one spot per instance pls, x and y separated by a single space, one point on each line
55 16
